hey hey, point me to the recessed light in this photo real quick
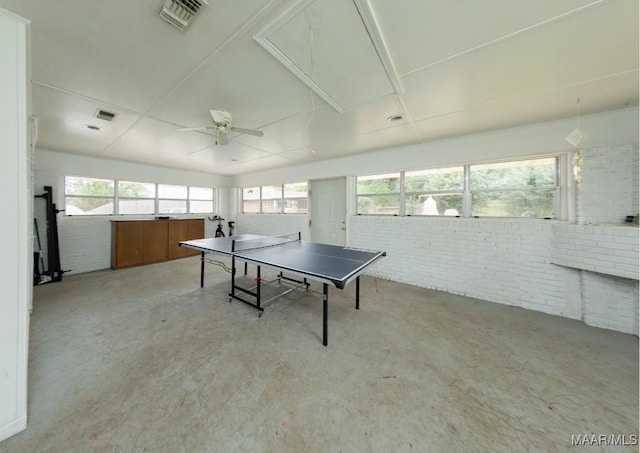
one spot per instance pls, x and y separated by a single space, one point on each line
396 117
92 127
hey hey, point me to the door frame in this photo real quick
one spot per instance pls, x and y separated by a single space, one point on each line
313 195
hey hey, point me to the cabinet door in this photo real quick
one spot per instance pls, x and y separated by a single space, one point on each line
195 229
177 232
155 241
126 244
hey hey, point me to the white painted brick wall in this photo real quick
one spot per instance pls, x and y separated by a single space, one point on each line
85 243
606 249
609 189
272 224
498 260
610 302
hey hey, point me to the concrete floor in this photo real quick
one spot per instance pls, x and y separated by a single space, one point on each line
144 360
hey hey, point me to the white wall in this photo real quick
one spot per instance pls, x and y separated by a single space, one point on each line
272 224
504 261
16 259
85 242
609 172
604 129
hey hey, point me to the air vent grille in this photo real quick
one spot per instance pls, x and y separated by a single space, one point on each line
180 12
104 115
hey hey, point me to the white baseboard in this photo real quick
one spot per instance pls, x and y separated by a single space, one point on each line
13 427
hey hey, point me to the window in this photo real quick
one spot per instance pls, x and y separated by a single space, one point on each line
200 200
271 199
437 191
379 194
526 188
251 200
514 189
295 198
136 197
89 196
172 199
275 199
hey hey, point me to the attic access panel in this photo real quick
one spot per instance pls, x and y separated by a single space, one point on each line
335 47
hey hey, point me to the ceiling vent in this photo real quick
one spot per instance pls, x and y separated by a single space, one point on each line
104 115
179 13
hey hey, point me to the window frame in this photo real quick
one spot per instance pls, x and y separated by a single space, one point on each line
95 197
560 189
281 200
116 198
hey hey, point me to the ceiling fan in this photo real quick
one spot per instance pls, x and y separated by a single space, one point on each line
222 124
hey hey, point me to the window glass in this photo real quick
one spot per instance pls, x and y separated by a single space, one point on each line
295 198
172 206
136 198
251 200
524 188
510 175
379 194
379 204
128 189
89 196
88 186
272 199
514 203
89 206
200 207
200 200
449 204
172 192
387 183
200 193
436 179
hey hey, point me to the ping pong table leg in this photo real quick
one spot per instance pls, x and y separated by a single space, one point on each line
358 292
325 312
201 269
258 281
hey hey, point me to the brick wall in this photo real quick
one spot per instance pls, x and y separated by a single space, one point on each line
85 243
605 249
610 302
271 224
609 189
498 260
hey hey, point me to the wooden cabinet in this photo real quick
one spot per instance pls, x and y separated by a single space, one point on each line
154 241
126 244
138 242
183 230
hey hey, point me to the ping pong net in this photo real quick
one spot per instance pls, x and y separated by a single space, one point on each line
247 245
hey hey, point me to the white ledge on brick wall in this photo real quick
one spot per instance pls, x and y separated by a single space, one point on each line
605 249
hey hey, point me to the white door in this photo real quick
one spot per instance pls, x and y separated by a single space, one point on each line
328 211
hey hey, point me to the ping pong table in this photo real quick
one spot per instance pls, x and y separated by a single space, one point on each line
288 254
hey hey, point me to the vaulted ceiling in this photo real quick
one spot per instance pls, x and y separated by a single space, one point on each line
320 78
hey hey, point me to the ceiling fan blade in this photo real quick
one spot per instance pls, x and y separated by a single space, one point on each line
247 131
201 128
222 137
